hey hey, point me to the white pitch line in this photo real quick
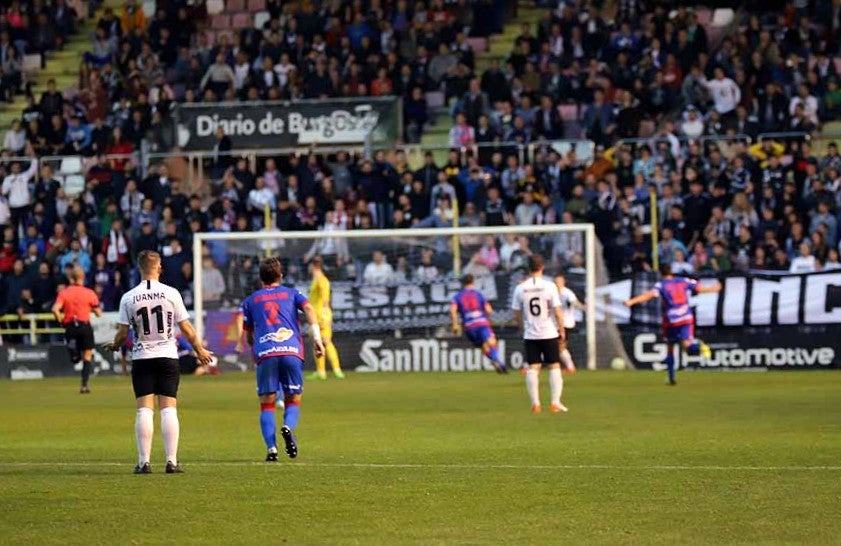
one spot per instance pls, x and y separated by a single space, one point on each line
95 464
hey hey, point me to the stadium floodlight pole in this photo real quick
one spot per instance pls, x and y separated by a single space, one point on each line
456 242
655 229
267 225
589 251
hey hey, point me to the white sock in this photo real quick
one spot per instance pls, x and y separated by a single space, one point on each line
533 386
556 385
144 427
566 359
171 430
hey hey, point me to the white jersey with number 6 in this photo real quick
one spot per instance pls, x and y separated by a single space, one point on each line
153 310
536 298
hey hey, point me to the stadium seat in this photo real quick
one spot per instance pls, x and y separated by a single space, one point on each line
88 162
261 18
71 164
221 21
74 185
240 20
233 6
70 93
31 63
435 99
256 5
479 45
569 112
722 17
215 7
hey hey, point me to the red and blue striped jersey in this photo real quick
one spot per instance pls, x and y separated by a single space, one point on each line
674 295
271 314
471 308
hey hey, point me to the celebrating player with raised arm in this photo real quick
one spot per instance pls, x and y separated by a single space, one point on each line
320 300
153 310
270 320
537 309
678 320
474 310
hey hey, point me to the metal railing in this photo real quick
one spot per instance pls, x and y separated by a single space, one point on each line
27 325
701 140
198 162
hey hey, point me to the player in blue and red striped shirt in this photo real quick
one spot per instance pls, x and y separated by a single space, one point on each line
474 310
270 320
678 320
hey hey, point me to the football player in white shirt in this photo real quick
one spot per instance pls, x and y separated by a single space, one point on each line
153 310
569 302
537 308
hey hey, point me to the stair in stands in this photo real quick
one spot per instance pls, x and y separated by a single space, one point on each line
63 66
500 46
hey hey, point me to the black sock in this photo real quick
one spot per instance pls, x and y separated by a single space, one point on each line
87 368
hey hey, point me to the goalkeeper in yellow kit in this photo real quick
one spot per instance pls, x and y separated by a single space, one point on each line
320 300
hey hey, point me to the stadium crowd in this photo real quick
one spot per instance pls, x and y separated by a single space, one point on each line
723 205
31 28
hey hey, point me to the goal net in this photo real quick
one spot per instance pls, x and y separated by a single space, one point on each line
391 289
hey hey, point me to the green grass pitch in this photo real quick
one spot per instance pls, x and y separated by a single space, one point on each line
435 459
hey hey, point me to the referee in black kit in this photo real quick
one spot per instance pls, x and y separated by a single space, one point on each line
72 309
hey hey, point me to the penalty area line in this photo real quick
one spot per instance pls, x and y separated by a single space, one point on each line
432 466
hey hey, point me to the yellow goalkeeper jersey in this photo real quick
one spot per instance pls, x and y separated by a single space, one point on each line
320 297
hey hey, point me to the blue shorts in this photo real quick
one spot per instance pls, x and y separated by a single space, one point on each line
280 373
676 334
478 336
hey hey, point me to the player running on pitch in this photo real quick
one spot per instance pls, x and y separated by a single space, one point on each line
678 320
569 302
474 310
270 320
320 300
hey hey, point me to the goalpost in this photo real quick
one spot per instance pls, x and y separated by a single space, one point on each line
426 262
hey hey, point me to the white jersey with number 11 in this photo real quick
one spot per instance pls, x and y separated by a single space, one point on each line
536 298
153 310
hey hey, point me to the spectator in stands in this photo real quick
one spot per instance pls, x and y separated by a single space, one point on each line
805 261
378 271
76 256
462 134
15 138
16 189
426 270
213 284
